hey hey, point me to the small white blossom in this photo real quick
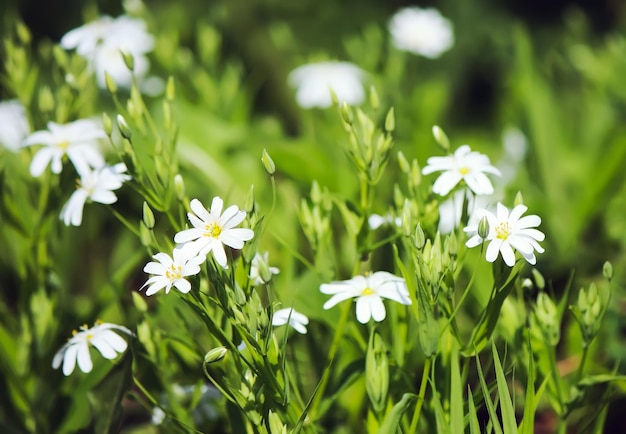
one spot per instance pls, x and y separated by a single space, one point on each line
13 124
101 336
508 231
95 185
78 140
421 31
101 43
212 230
375 221
259 261
369 290
314 81
464 165
170 271
289 316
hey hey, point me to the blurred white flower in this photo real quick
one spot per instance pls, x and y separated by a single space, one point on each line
464 165
95 185
258 262
369 290
101 336
514 145
451 209
170 271
508 231
78 140
313 83
289 316
212 230
13 124
102 42
421 31
375 221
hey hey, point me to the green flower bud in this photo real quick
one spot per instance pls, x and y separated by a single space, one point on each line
179 187
607 271
452 246
316 193
441 138
374 99
483 227
46 99
403 163
145 235
170 89
139 302
406 219
215 355
23 33
377 372
268 163
547 318
390 121
123 126
248 201
519 199
539 280
129 60
416 174
420 237
107 123
110 83
276 425
346 113
148 216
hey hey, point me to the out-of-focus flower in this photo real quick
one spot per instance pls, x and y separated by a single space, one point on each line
101 336
314 81
171 271
375 221
369 290
259 266
508 231
212 230
95 185
102 42
464 165
289 316
78 140
421 31
13 124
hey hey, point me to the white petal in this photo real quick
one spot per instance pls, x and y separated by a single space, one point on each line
183 285
197 207
72 212
219 254
83 357
41 161
446 182
216 206
507 254
187 235
492 249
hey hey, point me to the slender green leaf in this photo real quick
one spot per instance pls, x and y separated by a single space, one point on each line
493 416
392 419
506 405
471 413
456 393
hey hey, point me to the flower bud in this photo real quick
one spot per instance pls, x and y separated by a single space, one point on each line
215 355
519 199
179 186
268 163
441 138
276 425
23 33
110 83
123 126
139 302
547 318
390 121
248 201
406 219
316 193
539 280
346 113
403 163
607 271
374 99
170 89
46 99
107 124
129 60
377 372
483 227
148 216
420 237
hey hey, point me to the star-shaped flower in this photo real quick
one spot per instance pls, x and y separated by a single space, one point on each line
170 271
101 336
212 230
508 231
465 165
78 140
95 185
289 316
369 290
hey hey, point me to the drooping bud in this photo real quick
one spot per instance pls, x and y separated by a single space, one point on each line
268 163
129 60
123 126
215 355
441 138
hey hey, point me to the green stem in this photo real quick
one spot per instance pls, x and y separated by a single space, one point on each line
125 222
555 375
421 394
581 368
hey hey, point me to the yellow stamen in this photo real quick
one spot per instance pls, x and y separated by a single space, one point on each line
464 171
368 291
503 229
64 145
212 230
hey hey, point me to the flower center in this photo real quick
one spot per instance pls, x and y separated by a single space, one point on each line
503 229
63 145
464 170
174 273
367 291
212 230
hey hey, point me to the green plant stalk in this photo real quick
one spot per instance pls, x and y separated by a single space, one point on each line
420 396
583 360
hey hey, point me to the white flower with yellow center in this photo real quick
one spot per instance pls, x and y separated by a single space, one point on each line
464 165
78 140
421 31
171 271
369 290
289 316
313 83
508 231
212 230
13 124
95 185
101 336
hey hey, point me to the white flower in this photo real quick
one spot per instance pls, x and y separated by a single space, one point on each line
289 316
464 165
170 272
96 185
368 291
101 336
421 31
78 140
508 232
451 209
314 81
375 221
212 230
260 260
13 124
101 43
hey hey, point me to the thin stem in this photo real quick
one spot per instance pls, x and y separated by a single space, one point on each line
581 367
125 222
420 396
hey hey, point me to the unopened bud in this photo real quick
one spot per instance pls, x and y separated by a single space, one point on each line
607 271
441 138
403 163
406 218
148 216
316 193
539 280
215 355
179 186
110 83
374 99
390 121
46 100
248 200
124 128
23 33
268 163
129 60
420 237
107 124
346 113
377 372
483 227
519 199
170 89
547 318
452 245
